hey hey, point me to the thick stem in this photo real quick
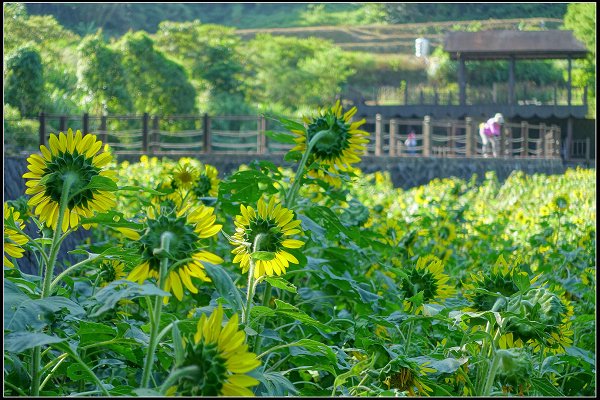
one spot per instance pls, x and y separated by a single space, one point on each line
250 289
68 271
165 242
291 195
266 300
491 376
56 240
46 285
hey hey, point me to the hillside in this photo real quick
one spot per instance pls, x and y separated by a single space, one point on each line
115 19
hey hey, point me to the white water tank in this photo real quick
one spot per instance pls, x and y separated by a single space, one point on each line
421 47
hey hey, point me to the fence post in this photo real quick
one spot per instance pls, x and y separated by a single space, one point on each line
543 139
62 123
265 139
508 147
85 123
206 128
378 144
502 142
155 134
587 151
525 137
103 131
426 136
393 132
452 126
145 120
42 128
421 97
468 137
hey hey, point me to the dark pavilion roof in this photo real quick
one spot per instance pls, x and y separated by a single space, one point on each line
498 44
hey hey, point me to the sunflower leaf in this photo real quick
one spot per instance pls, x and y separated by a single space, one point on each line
101 183
263 255
18 342
289 310
280 137
281 283
291 125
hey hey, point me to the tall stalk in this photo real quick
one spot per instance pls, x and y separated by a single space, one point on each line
165 242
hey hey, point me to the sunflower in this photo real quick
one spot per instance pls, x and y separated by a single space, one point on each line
13 240
500 279
427 277
184 176
188 226
111 270
406 375
273 224
207 183
342 146
74 158
542 320
221 357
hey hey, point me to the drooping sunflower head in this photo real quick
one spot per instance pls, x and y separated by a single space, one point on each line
72 158
184 176
342 145
426 276
405 375
501 279
542 319
221 358
267 231
111 270
13 240
207 183
187 227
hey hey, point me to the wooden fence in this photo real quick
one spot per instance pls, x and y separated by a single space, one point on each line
245 134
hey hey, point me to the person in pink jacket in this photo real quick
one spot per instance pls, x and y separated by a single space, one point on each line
490 132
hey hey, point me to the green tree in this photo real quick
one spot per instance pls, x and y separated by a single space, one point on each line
296 72
211 52
24 80
158 85
581 19
101 76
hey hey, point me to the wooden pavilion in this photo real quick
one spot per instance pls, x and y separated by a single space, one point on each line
501 45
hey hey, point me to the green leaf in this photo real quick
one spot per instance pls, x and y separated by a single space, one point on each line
292 156
281 137
225 286
114 219
143 189
178 344
356 370
281 283
263 255
92 332
18 342
76 372
101 183
111 294
289 310
21 312
521 280
289 124
246 186
545 387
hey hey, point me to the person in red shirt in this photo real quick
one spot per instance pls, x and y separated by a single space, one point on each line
490 132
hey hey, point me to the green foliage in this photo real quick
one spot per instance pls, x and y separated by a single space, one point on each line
101 76
210 52
581 19
157 84
24 81
308 71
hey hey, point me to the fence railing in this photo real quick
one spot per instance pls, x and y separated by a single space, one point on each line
245 134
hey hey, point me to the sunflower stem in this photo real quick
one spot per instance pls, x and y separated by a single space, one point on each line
250 289
266 300
68 271
291 194
46 286
491 376
165 242
175 375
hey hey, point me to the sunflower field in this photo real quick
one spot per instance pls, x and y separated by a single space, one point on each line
317 280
